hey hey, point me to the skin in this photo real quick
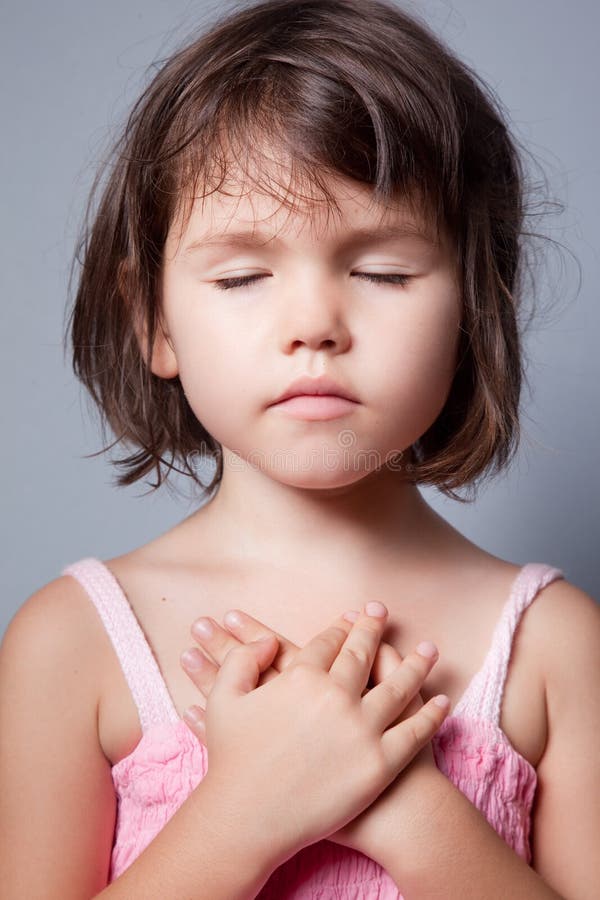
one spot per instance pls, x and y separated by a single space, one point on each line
236 350
394 707
202 665
295 544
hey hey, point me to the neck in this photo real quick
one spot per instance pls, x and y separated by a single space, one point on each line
376 520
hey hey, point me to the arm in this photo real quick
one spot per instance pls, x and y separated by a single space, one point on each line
57 800
452 851
210 856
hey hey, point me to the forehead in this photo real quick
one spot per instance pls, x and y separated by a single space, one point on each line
278 203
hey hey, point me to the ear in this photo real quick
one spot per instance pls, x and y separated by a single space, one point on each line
163 361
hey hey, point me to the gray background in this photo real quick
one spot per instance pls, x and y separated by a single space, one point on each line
70 70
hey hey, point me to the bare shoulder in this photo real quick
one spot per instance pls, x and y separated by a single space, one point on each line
57 622
569 641
564 624
559 636
53 649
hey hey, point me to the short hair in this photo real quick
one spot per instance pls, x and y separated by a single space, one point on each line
357 88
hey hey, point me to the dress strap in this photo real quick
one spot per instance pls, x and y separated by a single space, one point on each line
150 693
483 697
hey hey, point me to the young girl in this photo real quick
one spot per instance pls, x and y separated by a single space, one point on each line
305 268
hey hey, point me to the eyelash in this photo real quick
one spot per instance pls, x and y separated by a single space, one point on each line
394 279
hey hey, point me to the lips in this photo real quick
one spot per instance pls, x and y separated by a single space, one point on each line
323 385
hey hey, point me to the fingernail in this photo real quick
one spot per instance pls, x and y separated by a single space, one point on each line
192 659
203 628
352 615
232 618
375 608
191 716
427 649
442 701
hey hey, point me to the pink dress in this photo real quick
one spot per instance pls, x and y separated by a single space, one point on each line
159 774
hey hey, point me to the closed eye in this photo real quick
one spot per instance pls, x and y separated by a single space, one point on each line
393 278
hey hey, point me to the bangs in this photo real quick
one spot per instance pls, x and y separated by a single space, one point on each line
267 164
286 124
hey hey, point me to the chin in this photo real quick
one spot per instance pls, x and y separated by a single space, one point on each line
322 480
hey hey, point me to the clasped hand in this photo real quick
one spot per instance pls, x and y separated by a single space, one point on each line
245 655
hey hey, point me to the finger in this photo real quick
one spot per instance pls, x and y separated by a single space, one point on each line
387 700
215 641
352 665
402 742
323 648
241 668
246 628
200 669
386 660
193 717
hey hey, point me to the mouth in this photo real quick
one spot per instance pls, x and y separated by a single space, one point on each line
323 386
316 407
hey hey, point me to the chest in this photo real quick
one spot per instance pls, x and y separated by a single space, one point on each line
461 626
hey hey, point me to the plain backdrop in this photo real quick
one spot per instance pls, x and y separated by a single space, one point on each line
69 71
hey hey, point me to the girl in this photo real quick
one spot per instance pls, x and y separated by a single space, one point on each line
305 268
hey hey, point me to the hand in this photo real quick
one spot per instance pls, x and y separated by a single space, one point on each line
365 830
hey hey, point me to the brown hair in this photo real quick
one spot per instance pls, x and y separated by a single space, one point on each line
354 87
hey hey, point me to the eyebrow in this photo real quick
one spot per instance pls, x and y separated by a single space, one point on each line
356 237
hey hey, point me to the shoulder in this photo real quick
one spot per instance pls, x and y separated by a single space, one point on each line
59 602
564 623
564 629
55 634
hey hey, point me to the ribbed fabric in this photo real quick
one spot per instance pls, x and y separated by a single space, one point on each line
139 665
483 698
167 764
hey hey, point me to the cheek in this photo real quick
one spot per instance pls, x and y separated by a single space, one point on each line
215 391
433 348
420 354
213 374
421 335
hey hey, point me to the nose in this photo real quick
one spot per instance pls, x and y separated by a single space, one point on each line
314 316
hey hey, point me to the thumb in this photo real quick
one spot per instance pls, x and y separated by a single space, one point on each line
243 665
